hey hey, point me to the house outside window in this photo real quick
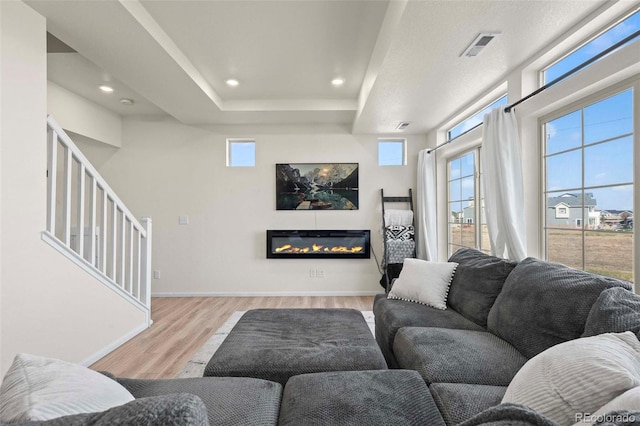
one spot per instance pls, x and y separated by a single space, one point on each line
463 183
588 168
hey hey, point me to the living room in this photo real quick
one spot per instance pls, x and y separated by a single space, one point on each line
173 168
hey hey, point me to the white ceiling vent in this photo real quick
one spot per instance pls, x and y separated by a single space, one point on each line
403 125
479 43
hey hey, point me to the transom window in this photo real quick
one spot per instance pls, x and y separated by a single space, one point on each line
589 187
471 122
608 38
463 192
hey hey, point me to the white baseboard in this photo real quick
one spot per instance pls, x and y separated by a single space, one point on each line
268 293
114 345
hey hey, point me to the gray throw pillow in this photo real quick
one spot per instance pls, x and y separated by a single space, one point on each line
544 303
615 311
478 281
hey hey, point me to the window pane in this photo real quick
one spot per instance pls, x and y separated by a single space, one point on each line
391 153
564 133
454 191
242 154
616 198
468 188
455 212
609 163
610 253
468 164
468 235
594 47
454 169
609 118
455 234
564 171
565 246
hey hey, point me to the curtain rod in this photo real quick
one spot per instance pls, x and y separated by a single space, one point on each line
553 82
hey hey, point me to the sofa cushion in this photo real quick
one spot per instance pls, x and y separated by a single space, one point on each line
176 410
391 315
616 310
579 376
229 400
477 282
458 402
387 397
543 304
443 355
424 282
39 388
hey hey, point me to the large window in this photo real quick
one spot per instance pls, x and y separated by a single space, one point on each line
463 195
613 35
588 159
477 118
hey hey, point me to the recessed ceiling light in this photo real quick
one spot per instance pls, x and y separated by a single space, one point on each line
126 101
337 81
232 82
105 88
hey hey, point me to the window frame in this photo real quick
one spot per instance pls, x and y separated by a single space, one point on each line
231 142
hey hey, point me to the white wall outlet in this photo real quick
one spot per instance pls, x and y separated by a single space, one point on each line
156 274
183 220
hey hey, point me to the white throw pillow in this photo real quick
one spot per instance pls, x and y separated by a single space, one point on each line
578 376
37 388
424 282
628 401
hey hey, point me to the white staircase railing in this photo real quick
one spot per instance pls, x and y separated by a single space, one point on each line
89 224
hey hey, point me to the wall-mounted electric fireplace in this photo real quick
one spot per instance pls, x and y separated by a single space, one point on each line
318 244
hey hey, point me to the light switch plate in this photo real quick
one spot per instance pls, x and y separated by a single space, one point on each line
183 220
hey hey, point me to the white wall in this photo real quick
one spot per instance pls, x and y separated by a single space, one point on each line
83 117
166 169
48 305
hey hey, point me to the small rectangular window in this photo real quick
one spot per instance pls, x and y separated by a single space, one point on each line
471 122
241 153
391 152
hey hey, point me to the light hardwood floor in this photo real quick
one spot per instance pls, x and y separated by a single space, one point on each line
182 324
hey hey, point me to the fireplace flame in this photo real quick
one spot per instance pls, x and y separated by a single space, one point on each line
316 248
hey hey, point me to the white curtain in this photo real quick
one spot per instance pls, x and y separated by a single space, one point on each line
426 207
503 190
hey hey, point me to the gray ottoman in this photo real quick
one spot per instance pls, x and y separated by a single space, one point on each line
275 344
391 397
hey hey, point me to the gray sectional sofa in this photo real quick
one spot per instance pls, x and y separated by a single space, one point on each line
447 367
500 314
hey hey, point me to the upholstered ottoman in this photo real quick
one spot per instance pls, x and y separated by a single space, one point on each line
389 397
275 344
